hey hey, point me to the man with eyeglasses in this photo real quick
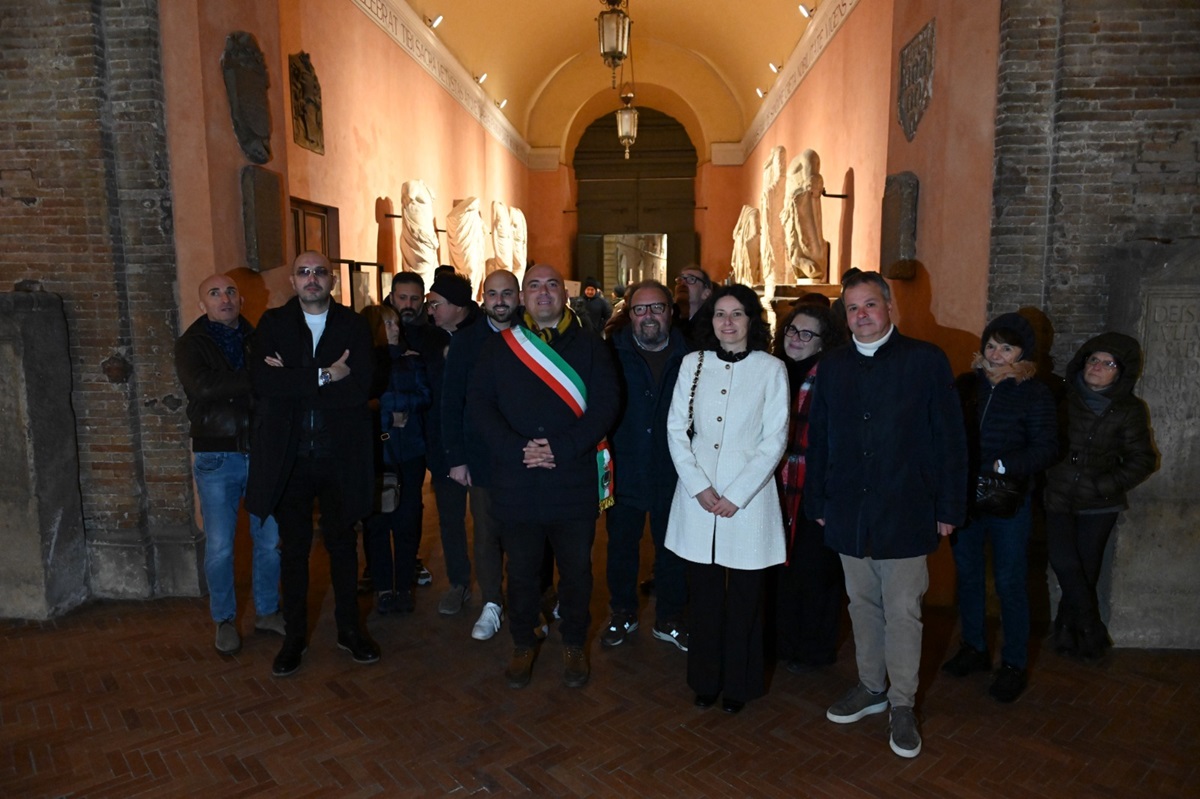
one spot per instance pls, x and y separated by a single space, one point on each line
648 353
311 368
692 289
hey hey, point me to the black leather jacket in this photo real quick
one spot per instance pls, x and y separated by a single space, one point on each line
219 397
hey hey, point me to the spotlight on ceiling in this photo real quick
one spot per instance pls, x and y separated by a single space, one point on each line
760 93
433 23
481 78
774 67
613 26
807 12
502 103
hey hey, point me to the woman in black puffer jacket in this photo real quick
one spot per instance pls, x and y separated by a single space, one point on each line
1011 431
1109 451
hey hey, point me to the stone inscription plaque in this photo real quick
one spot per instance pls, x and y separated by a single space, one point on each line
916 78
1170 385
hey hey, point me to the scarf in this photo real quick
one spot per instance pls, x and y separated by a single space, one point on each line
551 334
791 470
230 340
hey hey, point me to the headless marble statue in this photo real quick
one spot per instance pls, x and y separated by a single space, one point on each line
464 233
419 243
747 259
520 242
801 218
771 239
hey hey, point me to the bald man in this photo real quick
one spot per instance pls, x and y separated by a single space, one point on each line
543 395
210 359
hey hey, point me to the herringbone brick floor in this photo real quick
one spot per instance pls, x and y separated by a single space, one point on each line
128 699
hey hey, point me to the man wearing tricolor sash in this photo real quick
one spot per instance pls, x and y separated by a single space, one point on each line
543 395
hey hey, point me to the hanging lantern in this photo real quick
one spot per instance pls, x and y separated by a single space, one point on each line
614 25
627 119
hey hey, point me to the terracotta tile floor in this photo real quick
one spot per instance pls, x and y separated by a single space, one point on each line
125 699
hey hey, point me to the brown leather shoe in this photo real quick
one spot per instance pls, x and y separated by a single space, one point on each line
520 668
575 667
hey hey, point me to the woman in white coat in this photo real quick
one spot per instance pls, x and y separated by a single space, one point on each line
727 429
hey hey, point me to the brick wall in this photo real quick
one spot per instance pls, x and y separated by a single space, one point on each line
85 208
1097 146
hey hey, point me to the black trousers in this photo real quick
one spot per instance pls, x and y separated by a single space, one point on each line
1075 543
809 591
316 478
525 545
725 631
392 539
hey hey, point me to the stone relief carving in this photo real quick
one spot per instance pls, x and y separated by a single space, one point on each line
771 241
246 83
419 243
801 218
520 242
464 233
916 78
308 127
747 258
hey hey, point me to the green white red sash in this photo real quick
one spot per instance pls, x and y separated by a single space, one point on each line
558 375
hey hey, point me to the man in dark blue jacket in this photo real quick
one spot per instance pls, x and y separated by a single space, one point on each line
543 396
649 352
887 477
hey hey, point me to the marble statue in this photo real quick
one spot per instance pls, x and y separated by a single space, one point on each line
801 219
464 233
419 244
772 246
747 258
520 242
502 247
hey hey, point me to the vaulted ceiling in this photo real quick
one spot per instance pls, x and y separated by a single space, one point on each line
699 61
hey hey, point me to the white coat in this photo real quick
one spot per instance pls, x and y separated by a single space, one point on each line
741 422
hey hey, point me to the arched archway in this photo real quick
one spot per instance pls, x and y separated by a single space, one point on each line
653 192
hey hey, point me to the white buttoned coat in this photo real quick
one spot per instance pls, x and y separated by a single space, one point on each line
741 422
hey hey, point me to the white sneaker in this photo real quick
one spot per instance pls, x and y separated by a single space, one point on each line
489 622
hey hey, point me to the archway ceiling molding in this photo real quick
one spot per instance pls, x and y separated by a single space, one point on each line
701 60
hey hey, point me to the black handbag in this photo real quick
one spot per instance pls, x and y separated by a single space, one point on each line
691 428
998 495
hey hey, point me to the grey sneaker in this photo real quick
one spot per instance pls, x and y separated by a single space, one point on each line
454 598
228 641
856 704
905 739
271 623
619 628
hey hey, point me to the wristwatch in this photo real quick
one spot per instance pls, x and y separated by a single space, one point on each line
325 378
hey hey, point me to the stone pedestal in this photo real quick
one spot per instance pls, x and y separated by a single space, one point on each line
1154 590
44 568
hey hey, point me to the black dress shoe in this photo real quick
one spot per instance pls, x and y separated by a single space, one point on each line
360 647
732 706
705 700
287 662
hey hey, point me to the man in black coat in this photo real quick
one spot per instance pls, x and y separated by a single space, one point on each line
886 475
466 451
210 359
543 397
649 351
311 365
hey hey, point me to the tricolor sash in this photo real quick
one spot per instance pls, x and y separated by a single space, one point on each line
559 376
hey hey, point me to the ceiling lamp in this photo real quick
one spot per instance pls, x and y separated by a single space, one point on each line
614 25
627 119
807 12
761 94
434 22
481 78
774 67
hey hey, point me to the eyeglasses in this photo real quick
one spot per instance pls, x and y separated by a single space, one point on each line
654 307
692 280
791 331
1094 361
433 305
312 271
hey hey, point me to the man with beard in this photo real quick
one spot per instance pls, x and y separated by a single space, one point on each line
648 354
692 288
311 369
408 298
543 396
465 446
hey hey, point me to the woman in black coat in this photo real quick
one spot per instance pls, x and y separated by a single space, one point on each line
1109 451
1011 434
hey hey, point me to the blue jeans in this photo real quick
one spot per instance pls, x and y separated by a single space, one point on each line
221 483
1010 567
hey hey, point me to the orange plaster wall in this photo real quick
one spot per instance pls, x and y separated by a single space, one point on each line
553 222
840 110
205 157
951 155
386 121
718 189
